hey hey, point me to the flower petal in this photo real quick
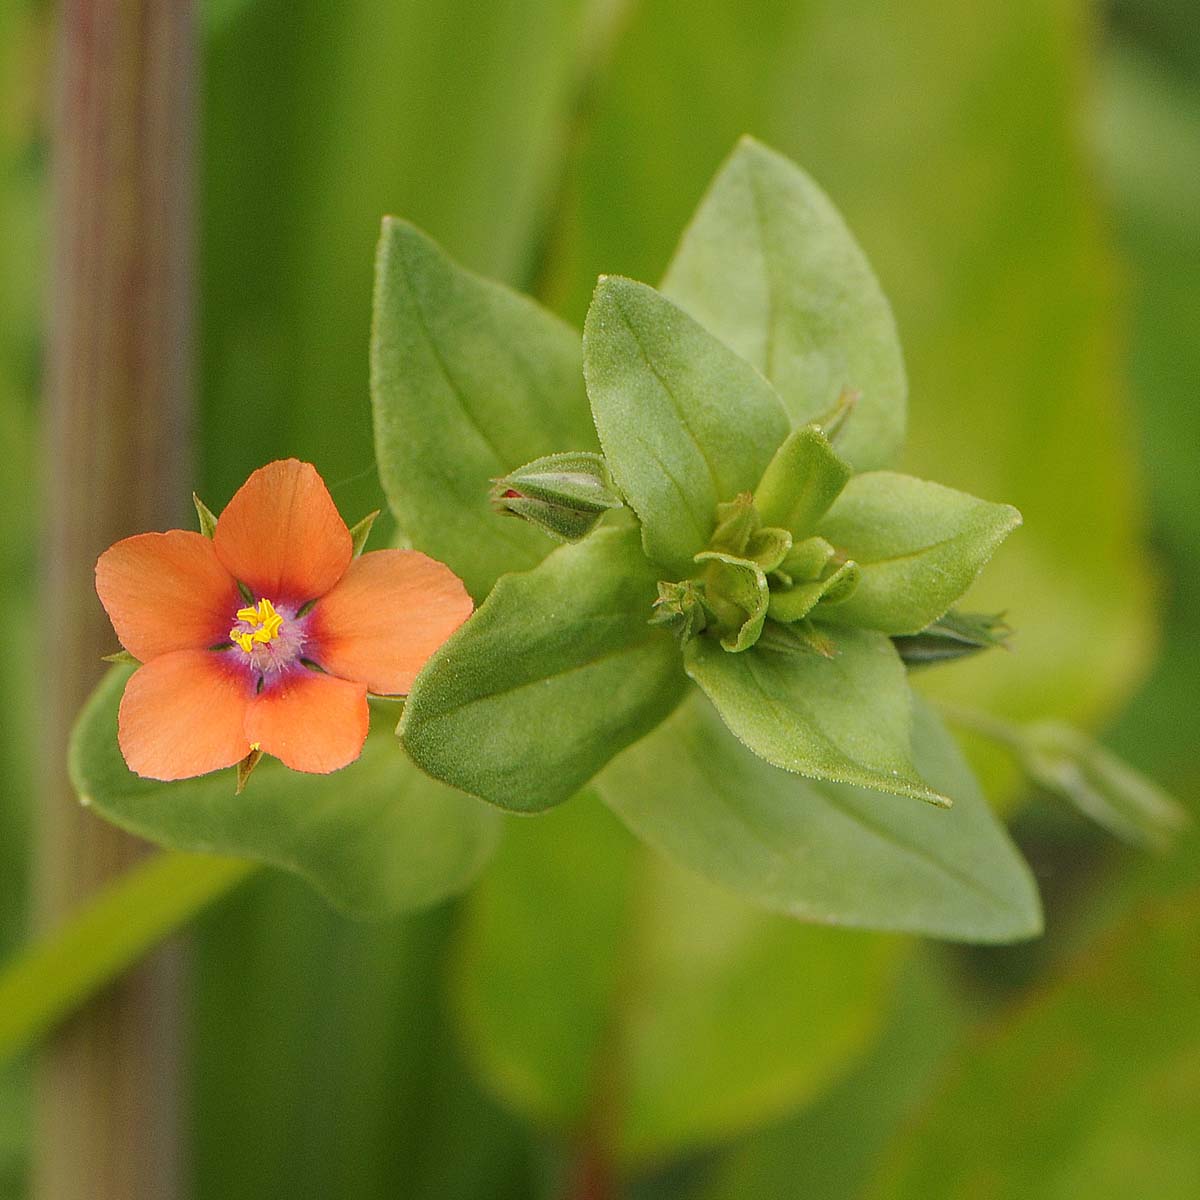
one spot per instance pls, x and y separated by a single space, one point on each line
281 534
315 723
390 611
166 591
184 714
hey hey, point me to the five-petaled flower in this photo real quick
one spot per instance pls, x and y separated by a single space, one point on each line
269 634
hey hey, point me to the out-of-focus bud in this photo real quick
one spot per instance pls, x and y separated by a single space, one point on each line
1100 785
680 608
565 495
956 635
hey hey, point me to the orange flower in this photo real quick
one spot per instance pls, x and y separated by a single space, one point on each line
287 672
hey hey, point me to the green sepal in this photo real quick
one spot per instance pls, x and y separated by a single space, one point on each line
956 635
846 719
360 531
565 495
208 520
797 602
680 608
800 483
121 658
736 592
557 671
246 768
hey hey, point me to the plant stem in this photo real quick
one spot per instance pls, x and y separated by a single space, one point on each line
118 416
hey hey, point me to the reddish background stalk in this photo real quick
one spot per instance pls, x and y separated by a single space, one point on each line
116 462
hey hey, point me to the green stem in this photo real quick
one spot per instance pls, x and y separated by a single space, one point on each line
111 932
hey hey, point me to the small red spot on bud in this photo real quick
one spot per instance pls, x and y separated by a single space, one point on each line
512 494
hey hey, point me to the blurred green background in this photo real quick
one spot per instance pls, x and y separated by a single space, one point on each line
1026 180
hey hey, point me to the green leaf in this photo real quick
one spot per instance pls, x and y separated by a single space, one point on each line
803 479
844 719
768 265
919 546
53 977
374 839
827 852
592 971
557 671
469 380
685 423
1090 1087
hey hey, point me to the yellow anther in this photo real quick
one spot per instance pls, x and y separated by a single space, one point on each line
264 622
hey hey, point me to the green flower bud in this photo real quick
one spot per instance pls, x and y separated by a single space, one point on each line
736 593
741 533
680 608
956 635
565 495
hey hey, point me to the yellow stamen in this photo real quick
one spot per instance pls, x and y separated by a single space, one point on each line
263 620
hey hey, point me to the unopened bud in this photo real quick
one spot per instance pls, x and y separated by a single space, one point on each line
565 495
680 608
956 635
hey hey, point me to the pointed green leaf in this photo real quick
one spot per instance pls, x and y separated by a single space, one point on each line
846 719
558 670
469 381
376 838
685 423
919 546
769 266
104 937
822 851
803 479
